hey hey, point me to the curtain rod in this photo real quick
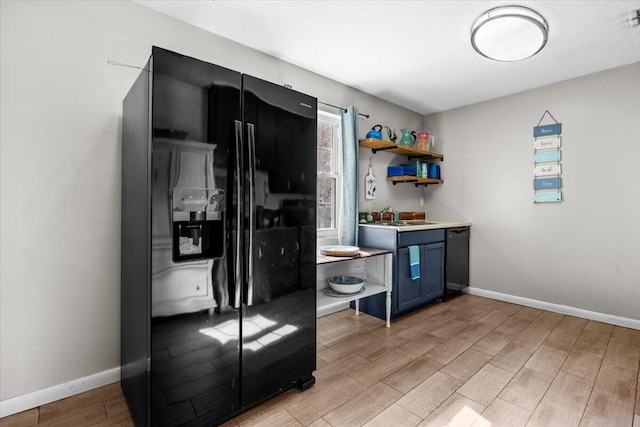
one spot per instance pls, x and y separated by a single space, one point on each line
341 108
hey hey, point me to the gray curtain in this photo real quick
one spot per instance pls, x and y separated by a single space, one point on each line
349 234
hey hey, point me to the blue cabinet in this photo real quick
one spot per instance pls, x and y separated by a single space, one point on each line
415 293
407 294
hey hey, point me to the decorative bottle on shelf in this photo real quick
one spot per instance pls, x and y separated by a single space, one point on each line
370 184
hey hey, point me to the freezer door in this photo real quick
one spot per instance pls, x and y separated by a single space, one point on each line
195 242
279 321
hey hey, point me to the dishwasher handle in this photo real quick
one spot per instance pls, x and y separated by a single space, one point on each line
458 233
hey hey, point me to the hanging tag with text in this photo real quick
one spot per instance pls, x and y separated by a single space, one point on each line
547 130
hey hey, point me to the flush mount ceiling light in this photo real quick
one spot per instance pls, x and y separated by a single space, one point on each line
509 33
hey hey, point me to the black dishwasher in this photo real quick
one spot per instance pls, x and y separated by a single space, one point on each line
457 260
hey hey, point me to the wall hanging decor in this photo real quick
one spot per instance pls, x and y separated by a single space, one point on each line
547 154
370 183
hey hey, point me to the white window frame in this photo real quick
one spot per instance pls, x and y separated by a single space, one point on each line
331 236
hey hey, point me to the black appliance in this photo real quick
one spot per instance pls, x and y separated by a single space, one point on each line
218 242
457 260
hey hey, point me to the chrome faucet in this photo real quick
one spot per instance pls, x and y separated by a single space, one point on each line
384 210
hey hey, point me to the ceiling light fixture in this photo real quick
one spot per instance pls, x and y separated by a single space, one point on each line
509 33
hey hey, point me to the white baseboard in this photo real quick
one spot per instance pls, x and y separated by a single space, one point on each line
558 308
57 392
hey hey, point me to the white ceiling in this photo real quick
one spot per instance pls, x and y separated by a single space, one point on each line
417 54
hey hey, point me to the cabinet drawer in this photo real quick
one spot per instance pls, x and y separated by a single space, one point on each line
421 237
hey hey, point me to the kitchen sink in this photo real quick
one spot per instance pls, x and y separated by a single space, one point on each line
419 222
404 223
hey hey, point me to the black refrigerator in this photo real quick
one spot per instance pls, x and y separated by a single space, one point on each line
218 242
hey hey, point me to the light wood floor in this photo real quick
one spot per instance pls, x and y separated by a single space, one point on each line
466 361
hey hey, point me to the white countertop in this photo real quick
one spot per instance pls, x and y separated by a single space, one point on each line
413 225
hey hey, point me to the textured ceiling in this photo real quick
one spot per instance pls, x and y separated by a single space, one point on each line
417 54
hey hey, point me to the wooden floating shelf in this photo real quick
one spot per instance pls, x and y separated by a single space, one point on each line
414 179
412 153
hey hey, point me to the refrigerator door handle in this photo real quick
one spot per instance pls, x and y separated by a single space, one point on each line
237 297
252 207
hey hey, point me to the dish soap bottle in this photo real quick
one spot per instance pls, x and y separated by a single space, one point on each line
369 217
370 183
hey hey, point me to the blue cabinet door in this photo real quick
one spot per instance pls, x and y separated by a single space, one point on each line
432 269
413 293
409 293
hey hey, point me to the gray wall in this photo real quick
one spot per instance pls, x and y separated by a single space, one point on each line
60 164
583 252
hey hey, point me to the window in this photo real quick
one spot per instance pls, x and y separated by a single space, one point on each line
329 207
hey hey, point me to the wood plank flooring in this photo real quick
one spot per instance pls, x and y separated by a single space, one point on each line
468 361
